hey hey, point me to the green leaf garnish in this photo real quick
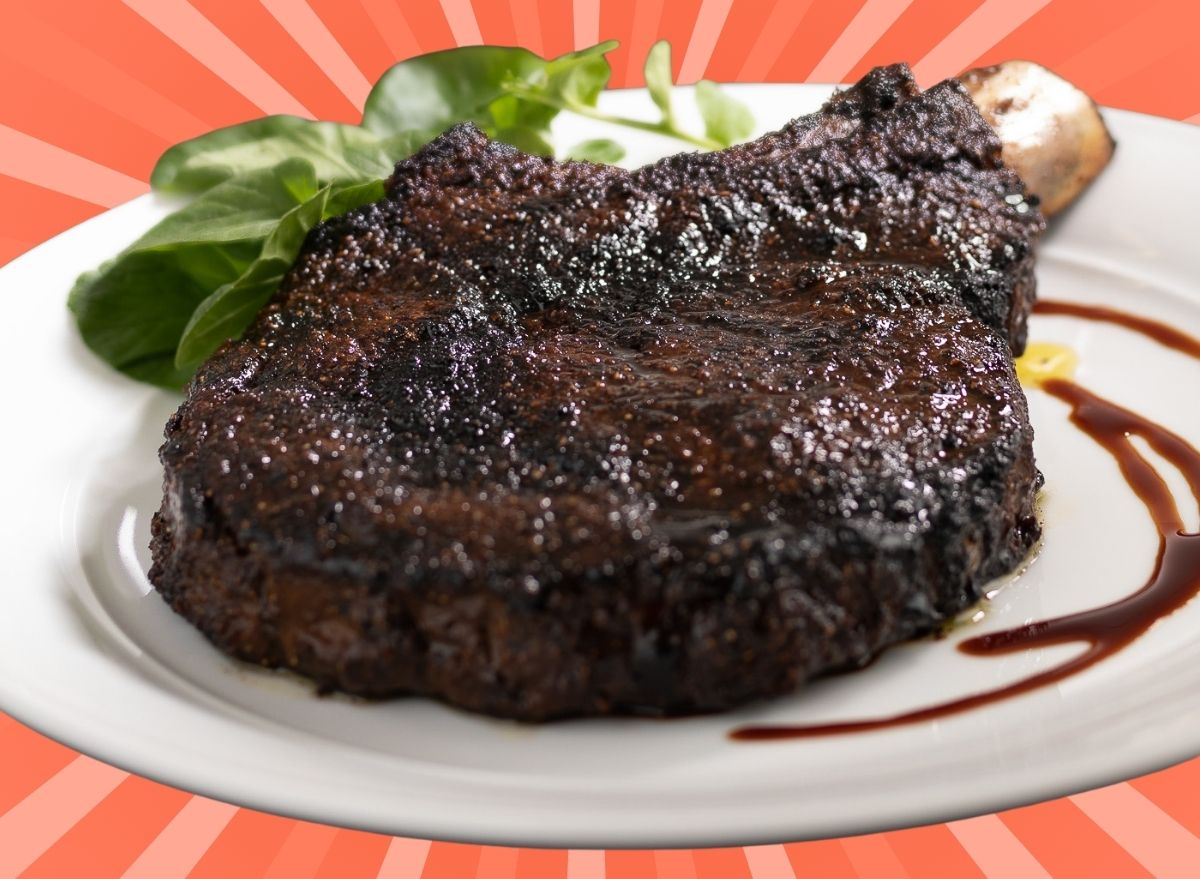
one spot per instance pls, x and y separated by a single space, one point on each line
659 80
432 92
600 150
726 120
336 151
132 311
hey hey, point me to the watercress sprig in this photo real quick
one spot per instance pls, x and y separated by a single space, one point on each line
726 120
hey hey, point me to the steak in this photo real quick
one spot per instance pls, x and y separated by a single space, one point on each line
546 438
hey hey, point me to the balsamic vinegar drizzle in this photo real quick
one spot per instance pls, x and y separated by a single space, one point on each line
1174 579
1159 332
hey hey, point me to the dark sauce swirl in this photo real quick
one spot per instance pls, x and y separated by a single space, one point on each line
1159 332
1174 579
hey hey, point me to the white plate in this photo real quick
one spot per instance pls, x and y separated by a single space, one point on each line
91 656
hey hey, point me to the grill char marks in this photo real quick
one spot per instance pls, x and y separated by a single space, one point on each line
547 439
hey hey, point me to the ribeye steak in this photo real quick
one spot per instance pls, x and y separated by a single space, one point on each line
545 438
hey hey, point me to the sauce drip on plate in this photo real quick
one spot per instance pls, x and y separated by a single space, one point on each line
1174 579
1159 332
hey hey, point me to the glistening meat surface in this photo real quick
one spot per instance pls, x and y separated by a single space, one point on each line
547 439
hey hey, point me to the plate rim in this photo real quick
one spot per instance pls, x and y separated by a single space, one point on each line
185 780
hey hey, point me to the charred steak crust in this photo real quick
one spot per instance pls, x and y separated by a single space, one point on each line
546 439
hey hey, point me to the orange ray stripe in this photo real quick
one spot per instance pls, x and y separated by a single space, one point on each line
643 30
820 27
542 863
44 213
1174 790
993 847
768 862
748 33
1135 44
159 60
558 38
776 31
1060 30
26 758
429 26
585 864
496 862
40 820
461 18
1070 845
354 853
873 856
630 864
245 847
495 23
932 851
38 45
191 31
262 38
307 29
302 852
45 164
675 25
405 858
182 843
392 28
709 22
721 863
586 18
10 249
75 121
357 34
1148 833
108 839
868 25
981 30
915 33
529 29
451 860
1166 87
825 858
1195 120
674 864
